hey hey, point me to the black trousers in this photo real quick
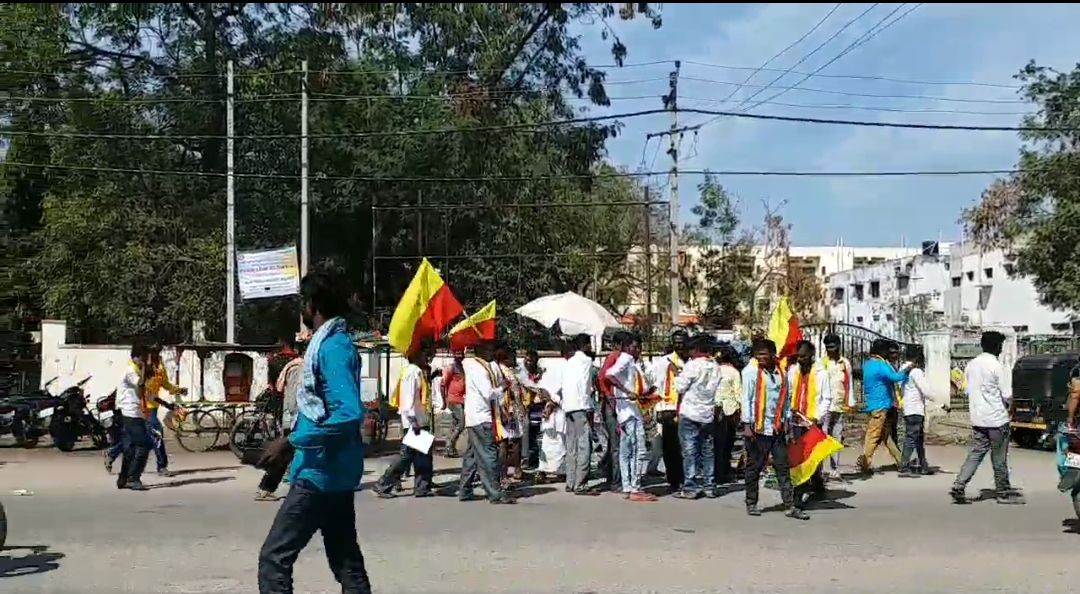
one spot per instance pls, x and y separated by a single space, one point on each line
758 451
609 466
671 448
304 512
422 464
136 451
726 428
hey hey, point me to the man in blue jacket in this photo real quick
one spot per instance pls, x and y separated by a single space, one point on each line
328 454
879 390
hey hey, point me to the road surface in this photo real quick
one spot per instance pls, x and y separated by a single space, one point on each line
200 532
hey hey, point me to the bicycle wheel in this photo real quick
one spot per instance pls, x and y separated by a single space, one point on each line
249 432
198 431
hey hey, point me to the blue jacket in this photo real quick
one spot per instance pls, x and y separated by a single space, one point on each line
879 381
330 451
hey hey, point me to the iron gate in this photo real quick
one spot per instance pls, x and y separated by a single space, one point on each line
855 341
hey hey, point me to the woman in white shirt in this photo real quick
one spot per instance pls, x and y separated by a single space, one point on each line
916 394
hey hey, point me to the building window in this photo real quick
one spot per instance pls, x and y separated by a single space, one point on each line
875 289
902 282
988 273
1009 268
859 292
838 294
1020 328
888 317
877 317
858 319
822 271
971 275
956 280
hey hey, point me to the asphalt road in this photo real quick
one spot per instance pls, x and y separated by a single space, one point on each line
200 532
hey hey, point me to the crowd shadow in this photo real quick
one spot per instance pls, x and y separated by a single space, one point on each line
187 471
209 480
1071 526
39 560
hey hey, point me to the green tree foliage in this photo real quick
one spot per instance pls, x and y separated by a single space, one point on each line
1034 215
716 275
117 120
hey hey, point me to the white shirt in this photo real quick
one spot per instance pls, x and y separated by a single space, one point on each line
916 393
988 390
659 372
481 395
575 384
410 397
128 393
840 388
697 383
625 371
729 394
823 389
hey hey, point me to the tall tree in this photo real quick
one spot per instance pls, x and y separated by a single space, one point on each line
120 127
1033 214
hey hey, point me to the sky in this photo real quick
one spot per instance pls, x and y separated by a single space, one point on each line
947 46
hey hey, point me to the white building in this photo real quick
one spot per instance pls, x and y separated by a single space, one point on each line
904 296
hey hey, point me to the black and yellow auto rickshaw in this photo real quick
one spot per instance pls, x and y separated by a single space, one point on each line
1040 392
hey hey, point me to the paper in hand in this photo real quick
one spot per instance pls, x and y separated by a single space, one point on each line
420 442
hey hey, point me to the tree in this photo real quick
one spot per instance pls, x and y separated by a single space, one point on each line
713 279
781 275
914 316
119 92
1033 213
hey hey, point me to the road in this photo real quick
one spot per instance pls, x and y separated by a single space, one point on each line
200 532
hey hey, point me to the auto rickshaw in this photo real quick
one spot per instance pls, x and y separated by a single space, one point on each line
1040 393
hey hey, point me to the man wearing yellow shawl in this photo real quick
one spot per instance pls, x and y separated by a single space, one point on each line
413 401
811 396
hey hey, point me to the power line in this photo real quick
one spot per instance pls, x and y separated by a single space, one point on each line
904 81
854 94
584 120
809 55
750 77
526 178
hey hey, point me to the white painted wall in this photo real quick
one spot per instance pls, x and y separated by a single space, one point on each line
964 288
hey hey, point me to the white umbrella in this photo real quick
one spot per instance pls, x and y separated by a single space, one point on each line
573 313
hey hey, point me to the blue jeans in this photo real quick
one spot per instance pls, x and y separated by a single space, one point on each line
631 453
698 453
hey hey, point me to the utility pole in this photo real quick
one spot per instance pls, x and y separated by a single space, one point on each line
674 134
230 212
305 248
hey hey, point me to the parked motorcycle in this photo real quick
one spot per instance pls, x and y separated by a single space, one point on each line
20 415
71 420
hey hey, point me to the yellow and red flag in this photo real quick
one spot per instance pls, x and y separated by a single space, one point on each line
784 329
425 310
473 329
808 452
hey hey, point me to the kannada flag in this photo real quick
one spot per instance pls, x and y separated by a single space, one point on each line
480 325
784 328
808 452
425 309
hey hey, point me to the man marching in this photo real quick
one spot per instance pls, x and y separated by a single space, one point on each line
413 396
664 370
811 397
766 416
841 382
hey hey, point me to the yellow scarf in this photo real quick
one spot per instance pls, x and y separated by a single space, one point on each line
671 397
762 398
806 392
496 413
425 390
846 368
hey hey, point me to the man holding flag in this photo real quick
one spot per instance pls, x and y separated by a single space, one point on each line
811 398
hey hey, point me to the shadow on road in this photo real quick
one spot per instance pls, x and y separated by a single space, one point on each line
1071 526
187 471
192 481
36 560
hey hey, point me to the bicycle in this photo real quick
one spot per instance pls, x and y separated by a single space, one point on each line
254 428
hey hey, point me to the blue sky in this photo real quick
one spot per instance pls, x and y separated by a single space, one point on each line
971 43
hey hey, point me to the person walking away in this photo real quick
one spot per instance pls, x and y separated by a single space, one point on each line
728 405
327 450
766 410
485 390
916 395
810 398
629 386
575 398
287 384
879 381
842 384
664 370
413 401
510 448
697 385
989 393
610 465
453 397
157 378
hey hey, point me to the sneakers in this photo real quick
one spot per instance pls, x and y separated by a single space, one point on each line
797 514
164 472
261 495
753 511
108 463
